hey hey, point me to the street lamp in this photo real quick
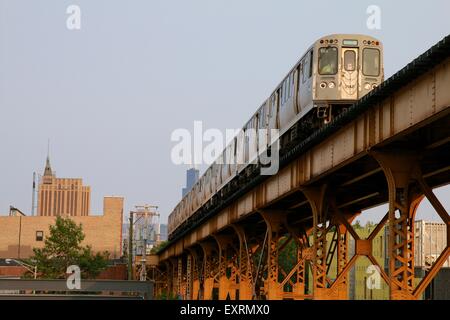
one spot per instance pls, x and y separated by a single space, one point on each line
27 266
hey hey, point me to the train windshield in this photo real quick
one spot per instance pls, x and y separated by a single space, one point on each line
371 62
328 60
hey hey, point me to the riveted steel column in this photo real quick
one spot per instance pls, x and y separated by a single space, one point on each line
195 277
225 284
304 257
233 265
274 221
189 277
169 278
342 259
209 270
245 269
180 277
316 199
399 169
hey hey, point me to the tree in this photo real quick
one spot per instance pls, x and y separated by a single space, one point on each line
159 247
62 248
370 224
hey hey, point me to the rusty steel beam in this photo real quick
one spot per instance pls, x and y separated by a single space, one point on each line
358 200
361 177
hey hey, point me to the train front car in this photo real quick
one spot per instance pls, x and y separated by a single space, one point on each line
335 72
348 67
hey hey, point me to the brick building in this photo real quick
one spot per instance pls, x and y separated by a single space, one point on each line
20 233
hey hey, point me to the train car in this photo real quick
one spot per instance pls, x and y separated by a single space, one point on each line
335 72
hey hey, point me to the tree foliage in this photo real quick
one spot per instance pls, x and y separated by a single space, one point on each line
158 247
63 248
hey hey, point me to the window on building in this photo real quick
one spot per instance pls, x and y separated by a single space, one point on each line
39 235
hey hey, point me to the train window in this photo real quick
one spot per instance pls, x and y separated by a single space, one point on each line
288 87
371 62
262 116
305 69
349 60
311 63
272 102
300 71
328 60
272 105
292 83
285 91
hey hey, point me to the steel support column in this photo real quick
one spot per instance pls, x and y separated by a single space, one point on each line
209 269
195 276
180 277
316 199
342 259
399 169
303 256
169 277
245 269
188 294
274 220
226 285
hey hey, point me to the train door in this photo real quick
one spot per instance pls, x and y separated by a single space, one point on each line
296 90
273 116
262 137
240 150
349 74
305 81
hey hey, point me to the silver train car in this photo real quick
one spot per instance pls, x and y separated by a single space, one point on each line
335 72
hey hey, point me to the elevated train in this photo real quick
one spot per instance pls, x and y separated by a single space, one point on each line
335 72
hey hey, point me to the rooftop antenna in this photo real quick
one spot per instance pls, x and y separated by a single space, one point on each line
33 199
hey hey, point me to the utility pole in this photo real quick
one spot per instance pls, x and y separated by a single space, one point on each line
142 212
145 214
143 275
130 248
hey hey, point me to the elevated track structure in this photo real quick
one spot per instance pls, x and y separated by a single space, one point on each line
392 146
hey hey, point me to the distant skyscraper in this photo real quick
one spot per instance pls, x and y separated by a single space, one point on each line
62 196
163 232
191 178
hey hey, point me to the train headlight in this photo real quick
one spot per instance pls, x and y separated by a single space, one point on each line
367 86
331 85
323 85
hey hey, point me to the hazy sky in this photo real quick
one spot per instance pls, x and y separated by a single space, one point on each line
109 95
